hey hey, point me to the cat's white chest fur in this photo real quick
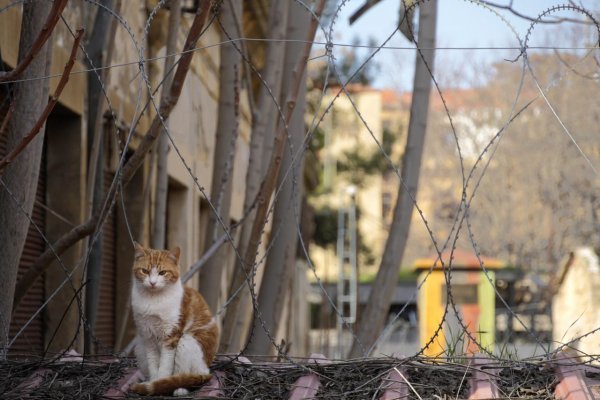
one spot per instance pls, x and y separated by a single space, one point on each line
156 314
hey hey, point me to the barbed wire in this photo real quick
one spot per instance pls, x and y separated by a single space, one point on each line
325 44
470 179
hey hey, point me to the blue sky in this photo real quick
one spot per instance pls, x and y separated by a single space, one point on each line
460 24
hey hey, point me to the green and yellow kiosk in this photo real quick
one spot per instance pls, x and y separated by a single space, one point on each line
473 293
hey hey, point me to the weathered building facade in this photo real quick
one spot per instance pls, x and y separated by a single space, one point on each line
62 203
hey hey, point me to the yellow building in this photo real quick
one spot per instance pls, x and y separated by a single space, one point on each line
346 133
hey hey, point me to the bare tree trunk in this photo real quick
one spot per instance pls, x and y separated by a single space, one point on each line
281 261
237 316
268 184
227 133
139 234
162 146
96 46
21 176
374 316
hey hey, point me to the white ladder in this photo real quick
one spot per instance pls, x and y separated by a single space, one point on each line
347 287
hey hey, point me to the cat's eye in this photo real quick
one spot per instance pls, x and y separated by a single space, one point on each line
145 271
162 272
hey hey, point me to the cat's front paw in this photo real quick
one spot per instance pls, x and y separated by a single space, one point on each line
181 392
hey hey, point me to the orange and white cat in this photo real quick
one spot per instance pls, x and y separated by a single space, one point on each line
177 334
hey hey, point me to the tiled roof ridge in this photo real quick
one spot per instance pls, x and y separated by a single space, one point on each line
476 377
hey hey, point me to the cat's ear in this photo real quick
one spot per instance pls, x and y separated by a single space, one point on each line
140 251
174 254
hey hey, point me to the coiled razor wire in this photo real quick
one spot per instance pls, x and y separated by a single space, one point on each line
462 213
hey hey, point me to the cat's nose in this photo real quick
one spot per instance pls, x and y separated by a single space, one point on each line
153 284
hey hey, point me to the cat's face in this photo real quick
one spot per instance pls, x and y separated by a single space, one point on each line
155 269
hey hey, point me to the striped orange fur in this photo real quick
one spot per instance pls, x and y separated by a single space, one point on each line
166 386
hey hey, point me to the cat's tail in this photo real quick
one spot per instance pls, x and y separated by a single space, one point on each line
167 386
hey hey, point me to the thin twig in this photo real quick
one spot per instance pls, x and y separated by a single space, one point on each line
205 257
407 382
7 118
49 107
51 21
511 9
463 379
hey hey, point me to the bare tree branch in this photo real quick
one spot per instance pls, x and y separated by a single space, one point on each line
509 7
53 17
572 68
162 145
49 107
362 10
6 120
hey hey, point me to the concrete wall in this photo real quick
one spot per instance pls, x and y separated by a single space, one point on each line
10 31
576 305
